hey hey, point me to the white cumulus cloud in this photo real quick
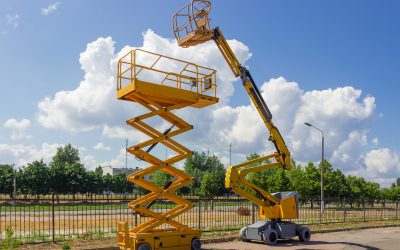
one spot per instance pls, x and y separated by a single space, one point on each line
101 146
18 128
12 20
382 162
92 104
21 155
49 9
343 113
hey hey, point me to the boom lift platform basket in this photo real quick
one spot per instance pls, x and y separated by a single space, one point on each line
161 84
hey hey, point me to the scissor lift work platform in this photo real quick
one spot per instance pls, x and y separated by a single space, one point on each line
165 80
161 84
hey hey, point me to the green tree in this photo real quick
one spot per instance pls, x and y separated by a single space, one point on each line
280 181
262 178
392 193
36 178
335 183
120 184
22 183
160 178
297 178
76 178
108 183
373 192
361 191
197 165
213 163
312 183
356 189
6 179
94 182
65 156
213 184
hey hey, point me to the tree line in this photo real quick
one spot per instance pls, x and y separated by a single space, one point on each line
65 174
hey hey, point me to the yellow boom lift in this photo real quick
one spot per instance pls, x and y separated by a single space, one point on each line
161 84
191 26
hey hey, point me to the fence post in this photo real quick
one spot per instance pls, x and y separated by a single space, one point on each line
364 211
397 209
344 211
199 213
52 218
320 213
253 209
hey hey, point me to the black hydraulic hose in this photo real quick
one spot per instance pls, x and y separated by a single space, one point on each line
258 97
155 144
167 185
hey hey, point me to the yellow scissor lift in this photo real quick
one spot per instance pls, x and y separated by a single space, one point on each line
161 84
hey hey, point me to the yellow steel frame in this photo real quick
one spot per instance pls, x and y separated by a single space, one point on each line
160 101
192 27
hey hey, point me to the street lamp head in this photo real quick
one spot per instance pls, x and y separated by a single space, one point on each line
308 124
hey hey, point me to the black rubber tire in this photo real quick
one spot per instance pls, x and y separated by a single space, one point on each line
196 244
242 234
144 246
304 234
270 236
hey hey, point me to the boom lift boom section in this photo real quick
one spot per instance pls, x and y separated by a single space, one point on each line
195 29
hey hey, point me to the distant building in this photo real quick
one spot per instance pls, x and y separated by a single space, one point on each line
115 171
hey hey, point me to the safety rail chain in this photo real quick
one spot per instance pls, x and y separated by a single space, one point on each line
186 76
141 205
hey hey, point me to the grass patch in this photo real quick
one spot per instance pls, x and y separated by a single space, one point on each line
65 246
11 242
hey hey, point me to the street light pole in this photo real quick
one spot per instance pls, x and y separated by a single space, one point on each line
126 154
322 174
322 165
230 154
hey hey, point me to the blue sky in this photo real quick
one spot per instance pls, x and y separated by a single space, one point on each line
319 45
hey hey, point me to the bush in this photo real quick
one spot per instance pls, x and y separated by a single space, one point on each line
10 241
243 211
66 246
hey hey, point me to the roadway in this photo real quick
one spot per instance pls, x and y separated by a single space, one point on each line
374 239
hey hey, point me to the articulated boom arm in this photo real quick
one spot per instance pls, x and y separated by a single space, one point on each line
283 154
236 175
196 30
